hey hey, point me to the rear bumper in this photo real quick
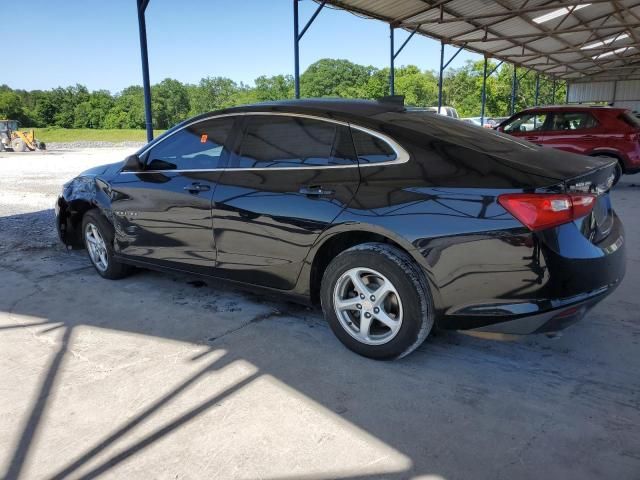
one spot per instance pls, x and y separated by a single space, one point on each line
544 317
577 275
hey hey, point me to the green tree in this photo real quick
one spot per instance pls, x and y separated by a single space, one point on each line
64 102
92 112
419 88
277 87
173 101
127 110
170 103
212 93
334 78
11 106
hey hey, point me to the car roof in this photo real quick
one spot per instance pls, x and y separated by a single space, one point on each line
360 108
575 107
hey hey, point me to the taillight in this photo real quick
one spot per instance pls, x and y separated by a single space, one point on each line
538 211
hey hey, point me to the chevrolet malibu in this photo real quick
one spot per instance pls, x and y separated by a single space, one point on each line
392 220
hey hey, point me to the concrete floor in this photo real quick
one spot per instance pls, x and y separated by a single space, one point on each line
157 376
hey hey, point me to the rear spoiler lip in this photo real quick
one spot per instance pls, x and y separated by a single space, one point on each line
588 186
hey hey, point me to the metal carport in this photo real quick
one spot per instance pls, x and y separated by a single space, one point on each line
565 40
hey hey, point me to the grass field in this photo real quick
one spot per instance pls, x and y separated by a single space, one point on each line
65 135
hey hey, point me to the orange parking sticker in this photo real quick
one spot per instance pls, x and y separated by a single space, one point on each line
203 138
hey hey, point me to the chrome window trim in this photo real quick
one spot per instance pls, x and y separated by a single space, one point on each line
402 156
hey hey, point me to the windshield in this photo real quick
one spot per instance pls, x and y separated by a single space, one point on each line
8 125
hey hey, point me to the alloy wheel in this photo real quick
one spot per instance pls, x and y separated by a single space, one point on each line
97 247
368 306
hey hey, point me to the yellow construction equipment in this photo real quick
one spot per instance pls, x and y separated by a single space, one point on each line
13 139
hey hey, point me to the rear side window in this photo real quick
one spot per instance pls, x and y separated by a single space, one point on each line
573 121
197 147
279 141
371 149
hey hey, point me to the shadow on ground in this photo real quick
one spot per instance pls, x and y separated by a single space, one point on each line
459 407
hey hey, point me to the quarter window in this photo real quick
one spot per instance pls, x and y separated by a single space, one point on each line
197 147
573 121
372 149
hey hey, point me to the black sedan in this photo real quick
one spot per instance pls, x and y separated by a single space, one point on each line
394 221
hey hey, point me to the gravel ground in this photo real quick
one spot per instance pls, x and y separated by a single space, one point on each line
165 376
31 183
56 146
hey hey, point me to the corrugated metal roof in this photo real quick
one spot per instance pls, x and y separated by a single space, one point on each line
513 31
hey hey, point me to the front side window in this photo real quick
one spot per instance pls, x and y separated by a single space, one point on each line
371 149
280 141
527 122
197 147
573 121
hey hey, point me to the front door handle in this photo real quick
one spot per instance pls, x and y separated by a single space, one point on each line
316 191
197 187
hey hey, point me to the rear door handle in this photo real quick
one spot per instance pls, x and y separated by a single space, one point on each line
197 187
316 191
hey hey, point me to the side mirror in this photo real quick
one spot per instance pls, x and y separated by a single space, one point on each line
132 164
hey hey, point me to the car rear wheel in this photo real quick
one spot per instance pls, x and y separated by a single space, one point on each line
97 234
377 301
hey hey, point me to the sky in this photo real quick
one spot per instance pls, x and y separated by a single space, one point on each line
96 42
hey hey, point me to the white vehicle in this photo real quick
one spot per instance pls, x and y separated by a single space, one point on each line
473 121
446 111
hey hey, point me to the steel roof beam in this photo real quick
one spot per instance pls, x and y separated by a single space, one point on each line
538 36
549 32
512 12
484 28
606 16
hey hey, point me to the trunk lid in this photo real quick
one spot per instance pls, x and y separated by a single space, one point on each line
598 224
546 161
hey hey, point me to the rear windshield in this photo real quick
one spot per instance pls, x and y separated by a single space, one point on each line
630 119
458 132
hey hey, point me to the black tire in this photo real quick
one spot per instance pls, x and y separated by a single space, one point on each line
18 145
114 270
411 287
618 174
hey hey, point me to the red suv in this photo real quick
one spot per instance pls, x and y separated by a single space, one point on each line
585 129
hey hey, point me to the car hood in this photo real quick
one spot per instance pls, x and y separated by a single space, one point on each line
102 169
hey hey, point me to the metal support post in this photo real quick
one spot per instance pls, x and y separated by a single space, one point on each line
142 27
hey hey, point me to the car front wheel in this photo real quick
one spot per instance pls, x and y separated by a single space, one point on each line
98 240
377 301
